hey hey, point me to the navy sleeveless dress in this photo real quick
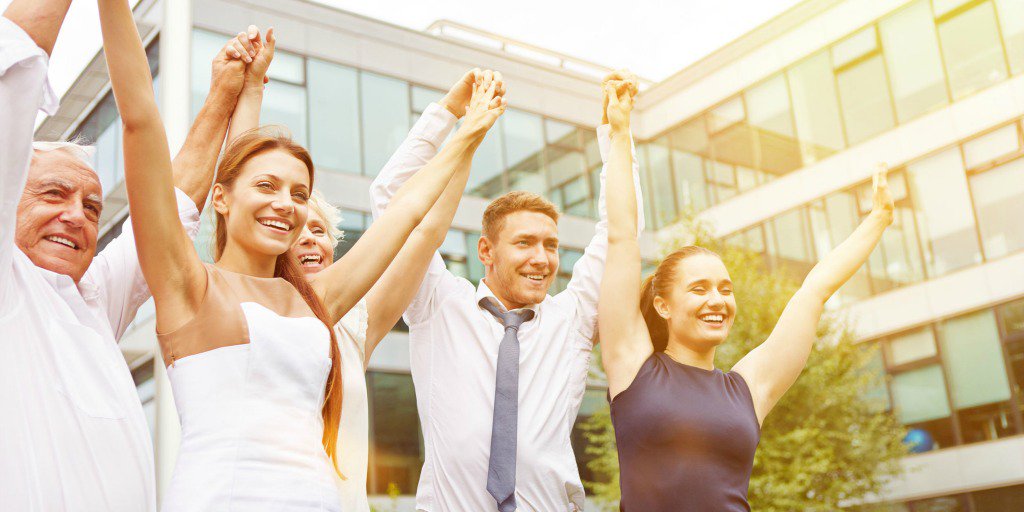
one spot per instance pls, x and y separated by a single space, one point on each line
686 438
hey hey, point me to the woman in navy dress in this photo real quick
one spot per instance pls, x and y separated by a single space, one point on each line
687 431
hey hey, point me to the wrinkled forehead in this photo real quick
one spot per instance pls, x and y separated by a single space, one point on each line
63 168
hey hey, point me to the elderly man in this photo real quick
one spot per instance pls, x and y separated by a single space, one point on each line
72 431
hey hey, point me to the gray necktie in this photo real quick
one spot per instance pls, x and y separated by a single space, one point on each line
501 469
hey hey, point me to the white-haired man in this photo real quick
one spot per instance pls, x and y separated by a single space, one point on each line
72 432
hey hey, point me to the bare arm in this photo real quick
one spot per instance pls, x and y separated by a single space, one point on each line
195 163
168 260
345 282
772 367
625 342
40 19
260 54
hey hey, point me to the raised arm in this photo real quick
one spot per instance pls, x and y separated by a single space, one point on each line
168 260
342 284
23 91
772 367
584 287
40 19
257 53
396 289
196 162
625 343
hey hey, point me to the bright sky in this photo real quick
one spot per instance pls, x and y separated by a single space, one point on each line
654 38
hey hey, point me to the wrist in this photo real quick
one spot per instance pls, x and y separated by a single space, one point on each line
450 107
618 133
884 216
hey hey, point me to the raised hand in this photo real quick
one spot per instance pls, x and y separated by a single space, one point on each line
618 105
256 52
458 97
882 201
624 81
485 105
228 72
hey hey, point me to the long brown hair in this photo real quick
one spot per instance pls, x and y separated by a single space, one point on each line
238 153
659 284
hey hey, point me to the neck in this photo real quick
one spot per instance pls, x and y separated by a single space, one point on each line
509 305
688 355
237 260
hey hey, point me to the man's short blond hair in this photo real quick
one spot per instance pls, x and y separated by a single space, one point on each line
511 202
329 213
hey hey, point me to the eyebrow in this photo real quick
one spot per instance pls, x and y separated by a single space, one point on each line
64 185
707 281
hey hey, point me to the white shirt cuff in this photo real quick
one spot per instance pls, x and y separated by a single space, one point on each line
435 124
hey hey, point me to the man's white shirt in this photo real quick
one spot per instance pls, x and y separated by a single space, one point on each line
73 436
454 350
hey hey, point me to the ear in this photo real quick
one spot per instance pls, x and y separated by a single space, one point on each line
661 307
218 199
484 251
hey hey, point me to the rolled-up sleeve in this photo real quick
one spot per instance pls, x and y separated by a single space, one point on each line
24 90
117 275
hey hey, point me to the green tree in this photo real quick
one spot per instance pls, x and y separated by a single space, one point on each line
829 440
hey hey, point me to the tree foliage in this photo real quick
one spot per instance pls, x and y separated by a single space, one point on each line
828 442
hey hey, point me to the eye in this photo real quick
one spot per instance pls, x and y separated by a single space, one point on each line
317 231
301 196
726 291
523 243
55 193
699 289
265 185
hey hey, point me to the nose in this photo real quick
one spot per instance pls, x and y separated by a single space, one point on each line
715 300
73 215
305 237
538 256
284 204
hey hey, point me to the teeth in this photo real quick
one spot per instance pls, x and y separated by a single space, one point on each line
62 240
535 277
275 224
713 318
311 258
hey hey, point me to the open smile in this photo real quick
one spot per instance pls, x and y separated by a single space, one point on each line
57 239
713 319
278 225
311 260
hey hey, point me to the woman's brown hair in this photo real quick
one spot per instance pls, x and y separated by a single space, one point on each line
658 284
237 154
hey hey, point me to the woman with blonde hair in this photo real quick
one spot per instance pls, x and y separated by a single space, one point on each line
686 432
248 340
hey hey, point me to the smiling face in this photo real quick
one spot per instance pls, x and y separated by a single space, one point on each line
521 262
59 213
264 208
701 306
314 250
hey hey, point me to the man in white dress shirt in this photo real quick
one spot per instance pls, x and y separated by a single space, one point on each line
454 343
73 435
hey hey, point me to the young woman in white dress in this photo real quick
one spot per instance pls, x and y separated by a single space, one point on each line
248 341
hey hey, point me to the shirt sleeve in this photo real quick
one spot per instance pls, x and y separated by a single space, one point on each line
585 285
419 147
117 274
24 90
355 323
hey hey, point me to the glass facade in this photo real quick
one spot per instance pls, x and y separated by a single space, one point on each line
960 380
906 64
955 208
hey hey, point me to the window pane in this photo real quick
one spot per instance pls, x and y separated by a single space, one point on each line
794 252
1011 18
486 179
864 94
205 46
770 115
939 191
970 346
334 116
108 154
385 103
816 108
476 268
854 47
912 346
920 395
732 139
658 183
288 67
991 146
524 141
688 172
423 97
972 50
912 55
285 105
396 444
997 202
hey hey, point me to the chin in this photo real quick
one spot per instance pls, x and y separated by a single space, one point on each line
59 265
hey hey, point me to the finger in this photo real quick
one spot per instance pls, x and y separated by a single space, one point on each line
246 43
240 51
266 79
271 40
231 51
254 34
488 76
495 102
498 78
489 92
471 76
502 90
874 182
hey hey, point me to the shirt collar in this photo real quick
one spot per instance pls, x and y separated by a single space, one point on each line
85 287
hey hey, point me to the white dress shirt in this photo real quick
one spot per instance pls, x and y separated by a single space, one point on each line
354 429
73 436
454 351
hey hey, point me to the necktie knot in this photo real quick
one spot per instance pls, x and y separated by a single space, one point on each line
509 319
